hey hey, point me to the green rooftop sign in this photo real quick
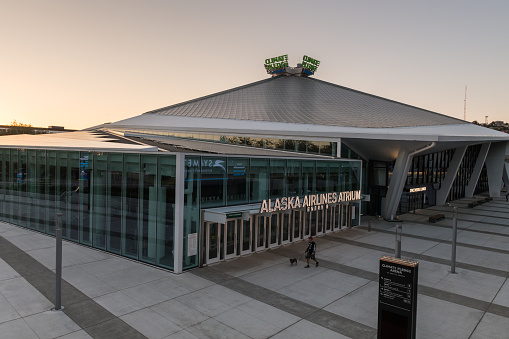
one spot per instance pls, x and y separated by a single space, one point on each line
279 65
310 63
278 62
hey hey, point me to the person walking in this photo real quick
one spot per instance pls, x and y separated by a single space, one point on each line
310 252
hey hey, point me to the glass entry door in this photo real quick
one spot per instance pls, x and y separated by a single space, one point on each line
260 239
297 225
230 238
337 217
306 224
273 232
246 236
213 233
285 228
329 222
320 221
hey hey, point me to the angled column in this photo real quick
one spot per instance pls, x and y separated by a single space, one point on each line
397 183
474 178
505 176
495 163
452 171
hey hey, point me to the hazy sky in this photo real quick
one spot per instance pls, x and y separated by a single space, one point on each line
82 63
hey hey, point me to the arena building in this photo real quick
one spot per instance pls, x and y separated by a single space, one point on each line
245 170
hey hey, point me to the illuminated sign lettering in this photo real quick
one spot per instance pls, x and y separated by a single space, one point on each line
417 189
276 63
312 202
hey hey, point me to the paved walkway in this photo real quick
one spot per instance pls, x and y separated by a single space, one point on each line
261 295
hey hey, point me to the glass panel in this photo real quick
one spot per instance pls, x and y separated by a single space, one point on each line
32 201
114 225
74 178
166 213
86 166
213 181
277 178
148 207
237 187
51 185
291 145
308 176
99 188
259 179
22 187
63 192
321 176
313 147
131 205
293 178
41 191
191 203
334 170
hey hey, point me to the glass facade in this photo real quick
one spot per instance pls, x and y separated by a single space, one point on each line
124 203
108 200
326 148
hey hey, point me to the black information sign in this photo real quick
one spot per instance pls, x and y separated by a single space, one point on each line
397 298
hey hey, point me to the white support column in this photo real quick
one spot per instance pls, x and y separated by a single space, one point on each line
481 158
178 249
396 185
452 171
495 163
398 180
505 176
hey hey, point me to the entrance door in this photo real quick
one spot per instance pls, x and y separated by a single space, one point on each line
273 232
337 220
320 221
306 224
213 242
230 238
329 223
297 225
246 236
260 240
285 228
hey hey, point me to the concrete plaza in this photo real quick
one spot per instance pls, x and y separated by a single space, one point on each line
261 295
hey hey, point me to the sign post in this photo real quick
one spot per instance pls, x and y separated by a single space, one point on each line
397 298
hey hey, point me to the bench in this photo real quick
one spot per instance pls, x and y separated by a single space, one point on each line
472 204
436 217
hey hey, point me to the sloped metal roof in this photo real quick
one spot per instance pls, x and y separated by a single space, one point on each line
302 100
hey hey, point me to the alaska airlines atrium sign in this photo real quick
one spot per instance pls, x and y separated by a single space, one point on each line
312 202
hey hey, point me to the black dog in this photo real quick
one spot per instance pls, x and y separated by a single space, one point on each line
293 261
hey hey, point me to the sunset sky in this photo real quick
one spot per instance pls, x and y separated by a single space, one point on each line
78 63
